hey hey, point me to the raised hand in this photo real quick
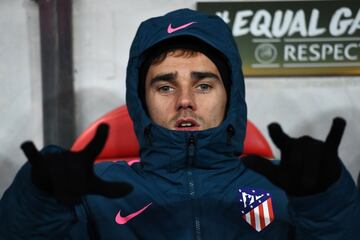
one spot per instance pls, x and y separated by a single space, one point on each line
308 166
68 175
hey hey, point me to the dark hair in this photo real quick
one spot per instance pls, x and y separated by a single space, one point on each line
174 52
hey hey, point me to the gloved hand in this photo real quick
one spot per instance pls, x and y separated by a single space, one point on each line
308 166
68 175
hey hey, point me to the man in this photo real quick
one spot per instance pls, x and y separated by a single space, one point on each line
185 95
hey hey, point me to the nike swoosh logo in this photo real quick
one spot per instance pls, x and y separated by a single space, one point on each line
171 29
122 220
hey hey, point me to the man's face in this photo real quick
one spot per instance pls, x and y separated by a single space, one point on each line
185 93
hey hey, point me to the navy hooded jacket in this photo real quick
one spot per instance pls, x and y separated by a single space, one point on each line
189 185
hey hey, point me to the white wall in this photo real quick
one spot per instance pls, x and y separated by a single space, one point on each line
103 31
20 97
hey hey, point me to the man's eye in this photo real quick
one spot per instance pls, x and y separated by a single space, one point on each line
165 89
204 87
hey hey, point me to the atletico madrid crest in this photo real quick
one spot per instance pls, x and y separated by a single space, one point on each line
256 208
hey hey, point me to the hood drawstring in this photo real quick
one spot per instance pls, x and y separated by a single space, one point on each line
230 133
147 133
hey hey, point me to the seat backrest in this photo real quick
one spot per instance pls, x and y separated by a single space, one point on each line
122 143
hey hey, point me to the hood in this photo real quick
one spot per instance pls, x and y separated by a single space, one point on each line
224 140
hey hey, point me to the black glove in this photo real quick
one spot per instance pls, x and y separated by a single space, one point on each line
308 166
68 175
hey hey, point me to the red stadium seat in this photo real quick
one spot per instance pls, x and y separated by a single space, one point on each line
122 143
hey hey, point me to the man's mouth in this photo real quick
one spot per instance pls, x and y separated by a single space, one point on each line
187 124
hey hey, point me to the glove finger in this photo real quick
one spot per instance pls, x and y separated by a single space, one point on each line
335 134
31 152
110 189
279 137
96 145
263 166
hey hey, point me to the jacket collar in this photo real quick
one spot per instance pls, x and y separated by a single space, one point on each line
171 150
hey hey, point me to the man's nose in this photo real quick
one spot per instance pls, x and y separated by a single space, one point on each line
186 100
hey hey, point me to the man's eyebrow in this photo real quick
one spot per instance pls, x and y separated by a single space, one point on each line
167 77
202 75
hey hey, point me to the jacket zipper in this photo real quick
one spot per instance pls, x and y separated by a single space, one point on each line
191 156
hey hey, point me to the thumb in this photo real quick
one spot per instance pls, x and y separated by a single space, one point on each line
262 165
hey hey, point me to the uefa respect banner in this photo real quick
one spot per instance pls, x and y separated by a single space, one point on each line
294 38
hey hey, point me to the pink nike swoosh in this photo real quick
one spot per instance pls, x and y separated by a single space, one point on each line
170 29
122 220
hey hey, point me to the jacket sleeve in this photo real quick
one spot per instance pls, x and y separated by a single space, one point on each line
28 213
334 214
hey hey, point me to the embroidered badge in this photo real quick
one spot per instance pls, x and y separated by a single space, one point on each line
256 208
